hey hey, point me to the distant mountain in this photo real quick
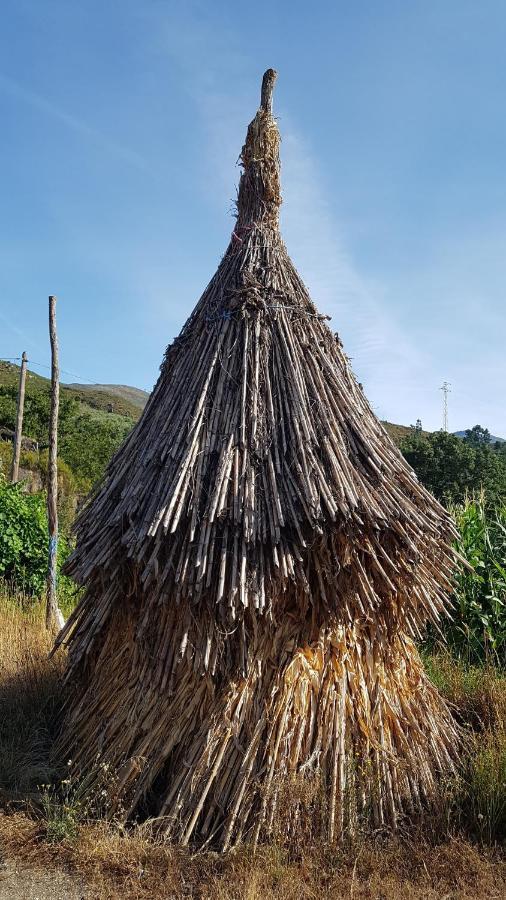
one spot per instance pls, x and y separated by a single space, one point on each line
493 438
132 395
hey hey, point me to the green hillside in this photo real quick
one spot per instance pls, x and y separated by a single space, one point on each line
93 421
125 400
119 399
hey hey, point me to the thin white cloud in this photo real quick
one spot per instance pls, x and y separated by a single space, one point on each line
399 358
383 354
13 89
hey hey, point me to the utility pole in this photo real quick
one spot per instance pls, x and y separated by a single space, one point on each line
445 387
19 419
53 615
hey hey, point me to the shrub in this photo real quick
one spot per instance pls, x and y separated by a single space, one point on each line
475 802
70 486
24 538
476 693
88 448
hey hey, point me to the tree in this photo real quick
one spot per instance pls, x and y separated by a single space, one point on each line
477 436
90 444
36 413
450 467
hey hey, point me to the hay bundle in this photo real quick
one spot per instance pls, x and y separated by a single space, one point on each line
257 562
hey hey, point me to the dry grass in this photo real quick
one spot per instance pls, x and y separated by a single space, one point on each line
29 695
439 860
113 865
477 693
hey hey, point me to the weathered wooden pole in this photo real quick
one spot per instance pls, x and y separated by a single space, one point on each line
52 618
19 419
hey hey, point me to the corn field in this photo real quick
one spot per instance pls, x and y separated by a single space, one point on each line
477 630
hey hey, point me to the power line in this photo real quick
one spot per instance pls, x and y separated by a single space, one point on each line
64 371
39 365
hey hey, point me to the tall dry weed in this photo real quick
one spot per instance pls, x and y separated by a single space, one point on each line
30 693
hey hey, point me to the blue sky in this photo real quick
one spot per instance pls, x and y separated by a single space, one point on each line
121 124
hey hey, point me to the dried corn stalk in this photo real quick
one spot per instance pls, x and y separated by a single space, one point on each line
257 563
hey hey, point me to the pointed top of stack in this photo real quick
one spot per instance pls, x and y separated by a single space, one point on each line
259 188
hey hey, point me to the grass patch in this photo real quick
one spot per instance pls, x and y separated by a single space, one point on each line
30 694
476 803
134 866
476 693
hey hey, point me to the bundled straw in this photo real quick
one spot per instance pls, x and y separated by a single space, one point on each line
257 563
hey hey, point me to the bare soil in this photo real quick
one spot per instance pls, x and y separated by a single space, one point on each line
21 882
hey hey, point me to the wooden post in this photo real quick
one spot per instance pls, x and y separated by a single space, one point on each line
52 617
19 419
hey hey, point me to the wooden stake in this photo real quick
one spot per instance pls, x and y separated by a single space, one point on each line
52 618
19 419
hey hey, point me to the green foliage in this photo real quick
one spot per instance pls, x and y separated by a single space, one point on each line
90 445
24 538
5 456
451 467
35 463
93 422
477 436
36 411
8 397
479 623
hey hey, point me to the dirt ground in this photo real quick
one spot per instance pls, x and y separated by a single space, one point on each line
19 882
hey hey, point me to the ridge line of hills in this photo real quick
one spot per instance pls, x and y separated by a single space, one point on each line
128 402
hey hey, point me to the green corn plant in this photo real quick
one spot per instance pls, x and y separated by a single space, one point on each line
478 628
